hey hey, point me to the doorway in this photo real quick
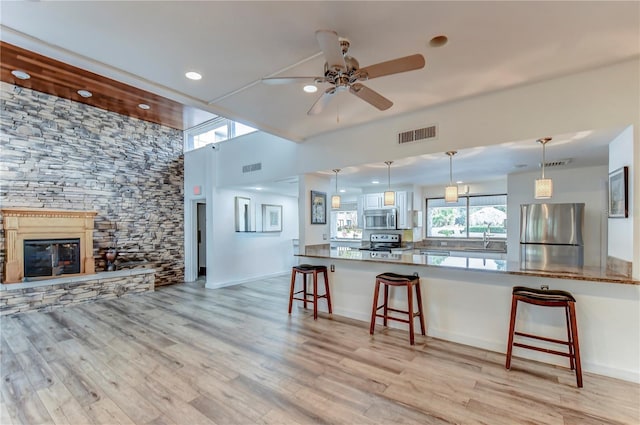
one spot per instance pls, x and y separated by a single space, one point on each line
202 238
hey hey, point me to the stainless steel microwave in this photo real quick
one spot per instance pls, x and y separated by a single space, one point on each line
380 219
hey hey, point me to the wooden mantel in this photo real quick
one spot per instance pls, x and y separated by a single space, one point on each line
22 224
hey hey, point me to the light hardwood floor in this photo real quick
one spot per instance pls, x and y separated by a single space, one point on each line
189 355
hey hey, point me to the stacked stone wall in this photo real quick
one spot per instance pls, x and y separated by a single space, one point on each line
56 153
103 287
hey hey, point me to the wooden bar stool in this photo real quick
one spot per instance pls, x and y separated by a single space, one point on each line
393 279
547 298
308 269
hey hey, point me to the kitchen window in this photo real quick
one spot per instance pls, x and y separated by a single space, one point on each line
344 222
470 217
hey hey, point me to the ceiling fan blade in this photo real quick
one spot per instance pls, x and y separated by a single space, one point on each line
370 96
291 80
407 63
322 101
330 45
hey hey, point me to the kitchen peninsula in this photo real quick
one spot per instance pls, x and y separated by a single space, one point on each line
467 299
476 260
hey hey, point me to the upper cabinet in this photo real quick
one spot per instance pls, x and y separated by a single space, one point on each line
373 201
404 205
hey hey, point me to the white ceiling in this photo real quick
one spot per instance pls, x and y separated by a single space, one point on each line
492 46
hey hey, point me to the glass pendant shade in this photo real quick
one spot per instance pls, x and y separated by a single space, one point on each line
544 188
335 199
389 195
451 194
389 198
451 191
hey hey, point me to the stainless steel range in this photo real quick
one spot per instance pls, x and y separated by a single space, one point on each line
383 242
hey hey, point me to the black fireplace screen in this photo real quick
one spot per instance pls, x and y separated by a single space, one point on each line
51 257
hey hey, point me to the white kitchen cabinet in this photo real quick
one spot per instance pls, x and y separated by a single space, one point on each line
404 205
373 201
360 210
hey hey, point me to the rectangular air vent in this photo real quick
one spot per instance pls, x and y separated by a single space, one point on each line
416 135
557 163
252 167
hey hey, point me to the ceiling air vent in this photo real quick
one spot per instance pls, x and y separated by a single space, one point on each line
416 135
252 167
558 163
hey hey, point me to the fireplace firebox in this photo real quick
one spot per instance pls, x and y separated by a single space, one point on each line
51 257
56 242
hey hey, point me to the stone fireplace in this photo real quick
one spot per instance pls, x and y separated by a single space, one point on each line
42 242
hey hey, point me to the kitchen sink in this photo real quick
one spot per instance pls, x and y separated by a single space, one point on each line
434 252
467 252
474 249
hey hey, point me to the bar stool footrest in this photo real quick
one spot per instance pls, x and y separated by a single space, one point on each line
544 350
542 338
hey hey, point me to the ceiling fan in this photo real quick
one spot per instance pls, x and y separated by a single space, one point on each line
343 72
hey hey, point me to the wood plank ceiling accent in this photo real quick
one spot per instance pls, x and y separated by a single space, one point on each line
60 79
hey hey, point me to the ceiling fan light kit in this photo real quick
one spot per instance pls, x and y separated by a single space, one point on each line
543 186
343 72
310 88
451 191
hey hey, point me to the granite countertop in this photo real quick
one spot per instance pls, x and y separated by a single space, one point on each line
476 261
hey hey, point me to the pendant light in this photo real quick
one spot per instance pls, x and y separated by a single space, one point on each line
544 187
335 199
389 195
451 191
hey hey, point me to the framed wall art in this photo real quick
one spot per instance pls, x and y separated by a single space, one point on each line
318 207
244 215
271 218
619 193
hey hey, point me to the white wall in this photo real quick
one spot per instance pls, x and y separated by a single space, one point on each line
278 157
312 234
585 185
239 256
490 187
232 257
620 245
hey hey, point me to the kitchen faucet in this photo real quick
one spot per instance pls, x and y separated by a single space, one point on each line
485 237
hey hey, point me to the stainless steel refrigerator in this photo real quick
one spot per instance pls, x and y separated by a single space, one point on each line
551 236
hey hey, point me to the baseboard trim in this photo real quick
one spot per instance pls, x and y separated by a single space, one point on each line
501 347
215 285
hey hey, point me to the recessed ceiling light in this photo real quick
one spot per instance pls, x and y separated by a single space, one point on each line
20 75
144 106
438 41
459 182
258 188
192 75
342 191
310 88
375 182
85 93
